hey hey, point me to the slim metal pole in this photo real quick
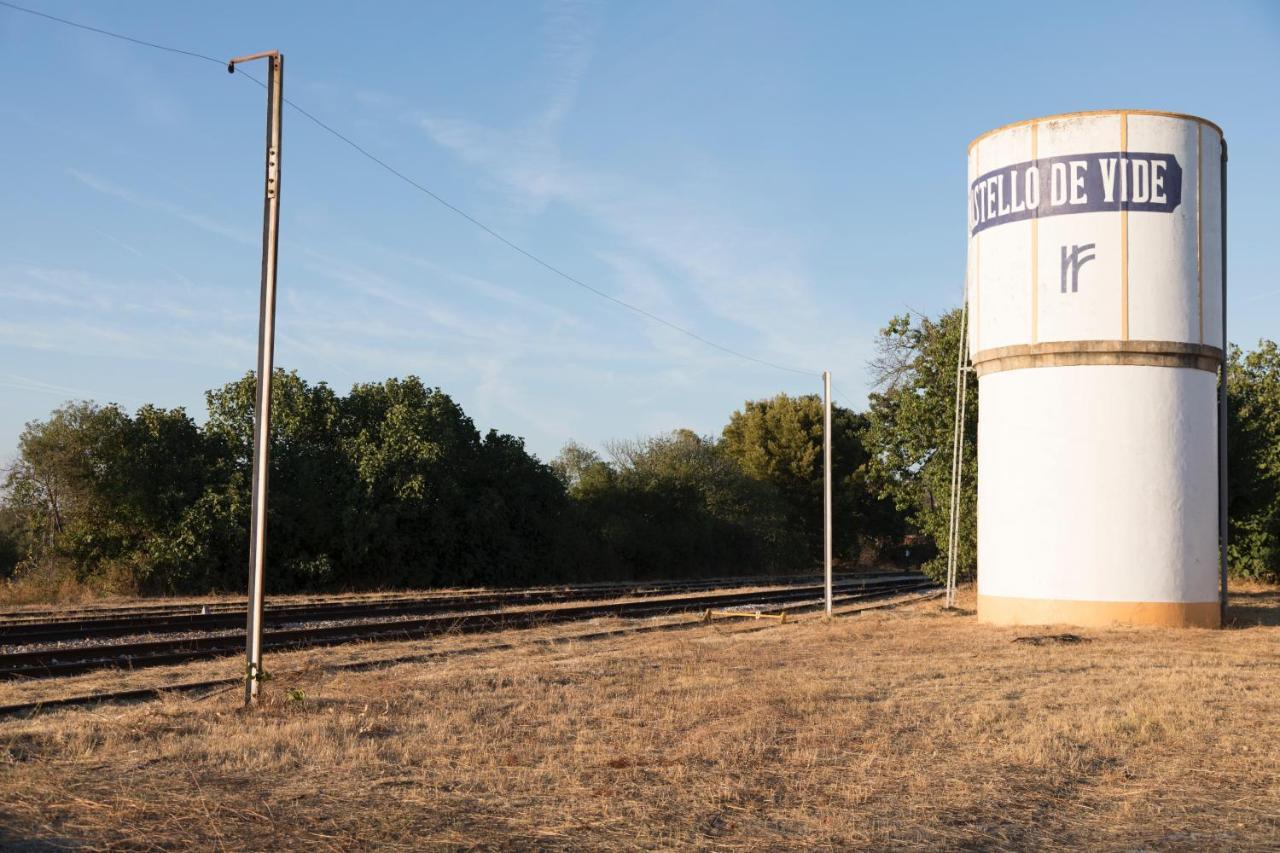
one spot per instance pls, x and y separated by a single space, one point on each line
959 494
957 451
266 355
957 433
1223 488
826 488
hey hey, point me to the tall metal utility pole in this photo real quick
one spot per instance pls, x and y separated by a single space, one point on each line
266 356
826 489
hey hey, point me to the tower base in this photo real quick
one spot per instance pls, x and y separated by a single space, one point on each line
999 610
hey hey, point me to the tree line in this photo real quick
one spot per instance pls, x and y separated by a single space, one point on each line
392 485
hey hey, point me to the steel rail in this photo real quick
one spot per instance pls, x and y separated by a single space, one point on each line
143 693
30 633
14 618
73 660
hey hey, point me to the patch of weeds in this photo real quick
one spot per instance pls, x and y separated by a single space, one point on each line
1052 639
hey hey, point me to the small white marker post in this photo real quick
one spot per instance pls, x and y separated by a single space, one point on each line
826 489
266 355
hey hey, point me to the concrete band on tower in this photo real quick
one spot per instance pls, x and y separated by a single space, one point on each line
1073 353
1096 297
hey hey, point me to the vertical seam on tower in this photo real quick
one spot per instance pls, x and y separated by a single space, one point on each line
977 265
1124 235
1035 248
1199 232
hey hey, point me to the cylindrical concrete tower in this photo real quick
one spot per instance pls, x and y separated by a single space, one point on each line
1095 296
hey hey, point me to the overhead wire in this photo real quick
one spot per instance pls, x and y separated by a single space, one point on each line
433 195
837 394
114 35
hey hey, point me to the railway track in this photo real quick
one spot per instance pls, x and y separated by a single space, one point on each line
20 633
846 604
13 621
386 625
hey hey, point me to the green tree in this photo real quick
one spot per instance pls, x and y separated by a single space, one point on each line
1253 466
308 481
910 428
573 463
677 505
51 486
409 446
518 516
95 489
11 543
779 440
145 481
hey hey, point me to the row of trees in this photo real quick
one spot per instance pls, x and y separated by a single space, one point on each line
393 485
390 485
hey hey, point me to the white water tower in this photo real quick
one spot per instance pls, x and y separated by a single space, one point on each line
1095 292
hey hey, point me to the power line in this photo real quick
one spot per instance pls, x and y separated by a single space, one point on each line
536 259
836 394
120 36
436 197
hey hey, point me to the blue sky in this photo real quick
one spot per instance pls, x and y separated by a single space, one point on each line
781 178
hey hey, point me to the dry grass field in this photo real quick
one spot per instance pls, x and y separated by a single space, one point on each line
913 727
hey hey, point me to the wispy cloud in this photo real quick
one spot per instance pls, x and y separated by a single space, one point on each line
753 277
507 296
528 157
26 383
73 311
675 252
1260 296
434 321
76 289
149 258
358 279
197 220
107 340
568 45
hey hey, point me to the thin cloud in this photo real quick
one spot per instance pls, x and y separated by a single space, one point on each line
72 311
148 258
197 220
24 383
751 276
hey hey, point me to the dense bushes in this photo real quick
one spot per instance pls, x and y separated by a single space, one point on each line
779 441
1253 466
391 486
677 505
95 490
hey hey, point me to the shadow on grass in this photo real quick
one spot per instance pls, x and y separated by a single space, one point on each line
12 839
1251 609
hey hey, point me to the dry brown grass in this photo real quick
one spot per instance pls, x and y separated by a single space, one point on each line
44 584
914 727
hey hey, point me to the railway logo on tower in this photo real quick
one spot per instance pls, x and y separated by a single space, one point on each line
1077 183
1072 260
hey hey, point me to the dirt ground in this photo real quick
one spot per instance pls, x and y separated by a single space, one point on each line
913 727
